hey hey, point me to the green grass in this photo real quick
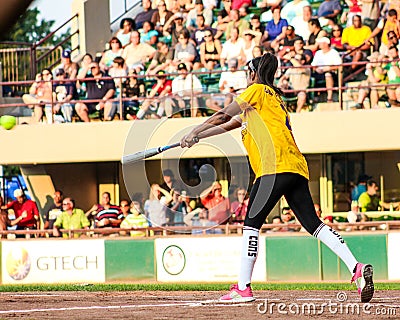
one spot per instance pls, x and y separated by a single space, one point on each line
189 287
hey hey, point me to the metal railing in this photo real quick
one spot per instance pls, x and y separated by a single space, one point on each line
227 229
205 76
22 60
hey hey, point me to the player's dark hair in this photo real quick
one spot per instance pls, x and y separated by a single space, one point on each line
265 67
392 13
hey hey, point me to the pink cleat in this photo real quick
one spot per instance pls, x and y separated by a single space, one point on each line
363 279
235 295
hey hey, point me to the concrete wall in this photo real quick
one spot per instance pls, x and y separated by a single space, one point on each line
315 132
94 25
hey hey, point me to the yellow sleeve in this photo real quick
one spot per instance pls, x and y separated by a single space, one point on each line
250 97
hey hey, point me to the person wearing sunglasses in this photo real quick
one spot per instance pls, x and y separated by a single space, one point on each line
109 55
71 218
389 24
40 94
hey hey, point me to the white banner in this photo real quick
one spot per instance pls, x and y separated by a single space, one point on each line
393 256
52 261
211 259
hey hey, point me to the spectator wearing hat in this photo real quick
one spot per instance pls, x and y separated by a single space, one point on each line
185 87
233 48
70 68
210 51
25 211
287 43
191 19
355 41
325 63
144 15
185 51
300 23
298 48
64 92
249 44
230 84
98 89
156 99
376 74
136 54
173 27
127 25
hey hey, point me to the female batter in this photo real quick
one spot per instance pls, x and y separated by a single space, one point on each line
280 169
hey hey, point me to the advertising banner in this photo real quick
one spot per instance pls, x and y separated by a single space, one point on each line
52 261
213 259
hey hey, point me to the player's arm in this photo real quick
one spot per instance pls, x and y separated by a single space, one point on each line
234 123
217 119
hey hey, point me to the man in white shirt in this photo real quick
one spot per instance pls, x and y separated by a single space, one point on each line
325 62
231 83
300 24
137 53
185 87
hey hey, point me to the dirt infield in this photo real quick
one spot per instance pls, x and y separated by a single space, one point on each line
196 305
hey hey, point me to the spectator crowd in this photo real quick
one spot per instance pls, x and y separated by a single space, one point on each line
168 58
169 205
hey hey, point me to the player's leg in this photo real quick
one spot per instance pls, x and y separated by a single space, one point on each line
265 193
300 201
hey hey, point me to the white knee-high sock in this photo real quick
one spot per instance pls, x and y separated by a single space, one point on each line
335 242
249 256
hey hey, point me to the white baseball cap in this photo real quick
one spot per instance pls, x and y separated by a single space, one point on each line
18 193
323 40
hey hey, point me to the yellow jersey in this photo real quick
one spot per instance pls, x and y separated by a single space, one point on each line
267 133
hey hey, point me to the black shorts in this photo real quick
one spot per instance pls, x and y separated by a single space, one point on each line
268 189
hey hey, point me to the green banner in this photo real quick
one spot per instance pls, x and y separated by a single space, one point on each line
129 259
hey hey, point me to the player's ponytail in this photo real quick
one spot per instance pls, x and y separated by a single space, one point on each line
265 67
